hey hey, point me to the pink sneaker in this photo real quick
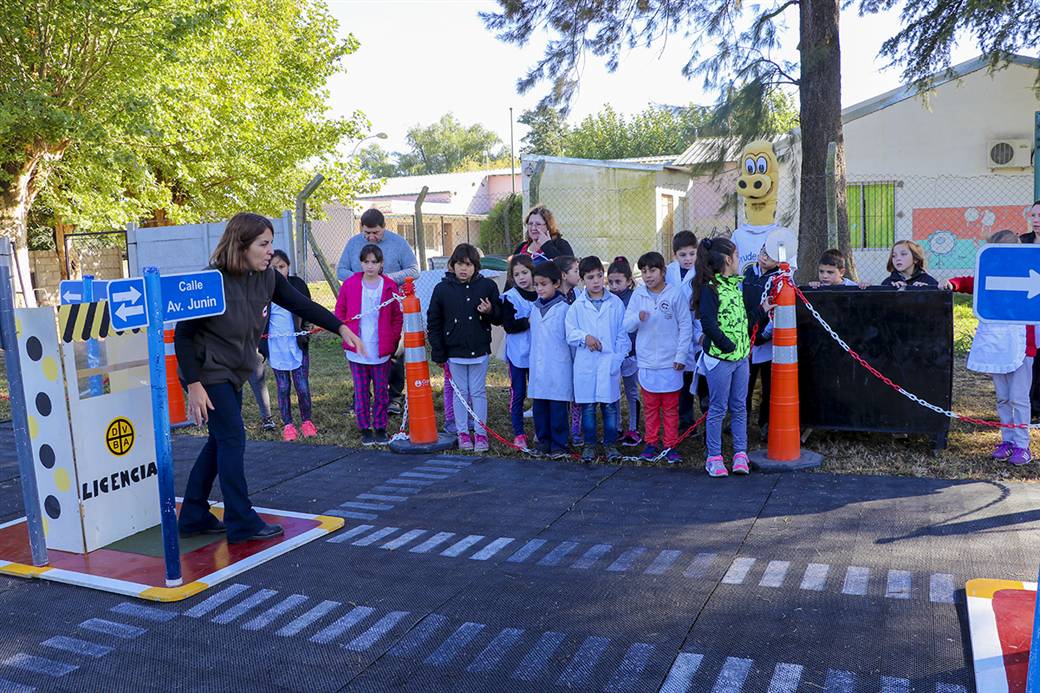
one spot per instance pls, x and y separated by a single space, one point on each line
740 464
308 430
520 441
480 443
289 433
715 466
465 442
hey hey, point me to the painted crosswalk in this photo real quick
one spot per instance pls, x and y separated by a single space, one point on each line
391 492
733 571
542 659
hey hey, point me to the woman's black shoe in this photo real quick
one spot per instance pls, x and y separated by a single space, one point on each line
266 532
215 527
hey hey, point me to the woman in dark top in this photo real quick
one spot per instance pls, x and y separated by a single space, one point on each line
216 355
543 242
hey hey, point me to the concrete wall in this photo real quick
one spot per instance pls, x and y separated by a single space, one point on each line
105 263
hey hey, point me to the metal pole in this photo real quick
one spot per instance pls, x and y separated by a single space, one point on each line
420 235
1036 153
512 179
161 421
19 416
301 218
94 382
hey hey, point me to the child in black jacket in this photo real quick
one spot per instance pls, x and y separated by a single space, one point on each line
462 310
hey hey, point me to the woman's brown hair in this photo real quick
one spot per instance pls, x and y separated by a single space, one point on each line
240 232
547 217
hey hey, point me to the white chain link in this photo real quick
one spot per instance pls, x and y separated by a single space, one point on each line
395 297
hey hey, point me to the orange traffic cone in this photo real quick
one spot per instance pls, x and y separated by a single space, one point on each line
423 436
784 451
174 392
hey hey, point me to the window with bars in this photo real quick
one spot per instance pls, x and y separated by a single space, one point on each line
872 214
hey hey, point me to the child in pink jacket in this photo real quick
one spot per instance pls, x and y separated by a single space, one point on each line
380 331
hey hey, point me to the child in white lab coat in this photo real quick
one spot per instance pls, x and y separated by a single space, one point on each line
550 385
662 317
594 330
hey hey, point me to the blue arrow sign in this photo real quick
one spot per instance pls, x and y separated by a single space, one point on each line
126 304
1007 284
192 295
71 290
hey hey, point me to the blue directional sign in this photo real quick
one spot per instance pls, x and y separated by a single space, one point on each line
1007 284
192 295
71 290
126 304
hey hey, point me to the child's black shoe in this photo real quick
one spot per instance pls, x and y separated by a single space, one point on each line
366 437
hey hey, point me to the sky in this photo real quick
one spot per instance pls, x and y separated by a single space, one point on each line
419 59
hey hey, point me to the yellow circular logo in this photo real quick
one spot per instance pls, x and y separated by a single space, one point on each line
119 437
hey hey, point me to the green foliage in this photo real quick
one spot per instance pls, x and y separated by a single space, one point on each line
493 230
445 146
656 131
930 28
198 107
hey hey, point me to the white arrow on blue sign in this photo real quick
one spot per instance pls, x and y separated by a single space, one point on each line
126 304
192 295
1007 284
71 290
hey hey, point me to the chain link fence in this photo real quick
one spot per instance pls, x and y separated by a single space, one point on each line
950 217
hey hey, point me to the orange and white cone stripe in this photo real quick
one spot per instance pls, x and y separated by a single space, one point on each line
784 425
422 421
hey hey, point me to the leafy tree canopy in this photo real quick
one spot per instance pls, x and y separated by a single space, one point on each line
110 110
445 146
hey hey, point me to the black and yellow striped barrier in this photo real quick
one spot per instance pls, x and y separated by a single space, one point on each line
79 322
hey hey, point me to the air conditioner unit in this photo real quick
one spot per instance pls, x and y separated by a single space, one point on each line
1009 154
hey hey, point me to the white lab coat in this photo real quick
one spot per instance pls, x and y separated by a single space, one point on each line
664 337
596 373
672 277
551 356
997 348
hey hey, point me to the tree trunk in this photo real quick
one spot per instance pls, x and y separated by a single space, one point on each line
15 200
820 110
60 229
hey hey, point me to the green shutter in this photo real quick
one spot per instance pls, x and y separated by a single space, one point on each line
854 203
880 214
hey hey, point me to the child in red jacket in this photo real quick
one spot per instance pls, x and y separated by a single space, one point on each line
380 331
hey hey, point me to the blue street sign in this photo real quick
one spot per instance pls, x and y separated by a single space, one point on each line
192 295
126 304
1007 284
71 290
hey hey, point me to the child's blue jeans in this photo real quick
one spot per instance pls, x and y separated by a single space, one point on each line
550 424
610 422
517 395
727 385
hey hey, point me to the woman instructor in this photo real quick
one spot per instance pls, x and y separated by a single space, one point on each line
543 241
216 356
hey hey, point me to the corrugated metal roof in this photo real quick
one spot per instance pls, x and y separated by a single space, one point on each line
706 150
603 163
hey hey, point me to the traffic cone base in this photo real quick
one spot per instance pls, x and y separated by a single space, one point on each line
445 441
760 462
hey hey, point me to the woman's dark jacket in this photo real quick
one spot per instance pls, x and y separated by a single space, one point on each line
222 348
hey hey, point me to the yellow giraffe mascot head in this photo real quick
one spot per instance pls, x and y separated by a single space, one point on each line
759 176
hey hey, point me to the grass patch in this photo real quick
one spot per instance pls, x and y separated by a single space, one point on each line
966 457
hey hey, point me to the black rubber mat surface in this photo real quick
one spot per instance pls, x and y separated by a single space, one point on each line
460 573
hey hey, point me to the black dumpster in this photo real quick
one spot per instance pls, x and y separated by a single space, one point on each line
906 335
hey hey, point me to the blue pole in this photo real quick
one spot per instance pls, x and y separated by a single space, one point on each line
19 416
94 382
161 421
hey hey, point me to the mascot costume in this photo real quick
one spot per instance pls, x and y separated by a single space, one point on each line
758 185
